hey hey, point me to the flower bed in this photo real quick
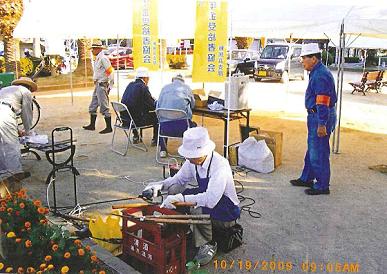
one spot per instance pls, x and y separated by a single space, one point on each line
28 244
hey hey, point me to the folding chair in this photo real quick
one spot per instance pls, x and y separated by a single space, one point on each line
119 124
175 119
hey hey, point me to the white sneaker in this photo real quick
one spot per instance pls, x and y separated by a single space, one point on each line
163 154
206 253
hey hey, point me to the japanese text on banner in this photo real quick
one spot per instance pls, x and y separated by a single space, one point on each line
210 52
145 34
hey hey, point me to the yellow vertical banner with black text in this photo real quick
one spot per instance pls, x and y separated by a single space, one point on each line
210 49
145 34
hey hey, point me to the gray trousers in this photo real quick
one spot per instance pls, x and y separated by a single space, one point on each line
202 234
100 98
10 157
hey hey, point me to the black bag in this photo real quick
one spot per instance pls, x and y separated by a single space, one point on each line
228 238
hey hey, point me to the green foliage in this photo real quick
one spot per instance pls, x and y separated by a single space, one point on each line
351 59
28 241
324 57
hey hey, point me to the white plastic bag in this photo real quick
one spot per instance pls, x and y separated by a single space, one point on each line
256 155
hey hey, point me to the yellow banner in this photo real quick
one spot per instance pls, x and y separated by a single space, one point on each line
210 52
145 34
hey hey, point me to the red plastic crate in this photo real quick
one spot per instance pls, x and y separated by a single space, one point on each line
151 247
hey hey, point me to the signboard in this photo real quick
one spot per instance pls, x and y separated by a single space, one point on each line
210 51
145 34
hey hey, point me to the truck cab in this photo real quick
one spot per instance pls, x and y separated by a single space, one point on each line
279 61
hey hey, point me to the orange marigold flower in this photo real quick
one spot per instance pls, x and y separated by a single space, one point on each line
31 270
11 234
42 266
3 203
9 210
81 272
94 270
43 221
9 270
20 270
28 243
27 224
50 267
77 242
81 252
46 210
55 247
8 197
2 208
88 248
18 240
22 205
93 258
37 203
41 210
64 269
67 255
47 258
102 272
23 191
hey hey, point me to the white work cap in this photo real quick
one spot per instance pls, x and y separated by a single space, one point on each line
308 49
142 72
196 143
178 76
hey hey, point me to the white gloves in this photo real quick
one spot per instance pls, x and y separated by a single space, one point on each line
155 186
168 202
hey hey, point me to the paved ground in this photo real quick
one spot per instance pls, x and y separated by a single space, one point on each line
346 227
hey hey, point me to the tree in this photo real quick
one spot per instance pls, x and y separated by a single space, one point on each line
10 13
244 42
84 58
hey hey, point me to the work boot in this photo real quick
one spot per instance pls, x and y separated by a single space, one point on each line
91 126
108 129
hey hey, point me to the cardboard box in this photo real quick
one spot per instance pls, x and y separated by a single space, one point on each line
200 97
274 141
233 154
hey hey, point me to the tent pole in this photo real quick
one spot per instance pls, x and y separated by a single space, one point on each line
229 80
118 71
340 76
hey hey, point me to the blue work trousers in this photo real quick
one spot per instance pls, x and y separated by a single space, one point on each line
316 163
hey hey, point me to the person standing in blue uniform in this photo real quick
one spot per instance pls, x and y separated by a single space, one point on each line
320 101
215 193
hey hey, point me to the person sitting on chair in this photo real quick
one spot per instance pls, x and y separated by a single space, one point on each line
14 100
215 194
140 104
176 95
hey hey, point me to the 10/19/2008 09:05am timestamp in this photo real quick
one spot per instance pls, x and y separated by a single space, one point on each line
286 266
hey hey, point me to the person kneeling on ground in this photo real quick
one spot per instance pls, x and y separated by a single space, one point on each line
215 194
178 96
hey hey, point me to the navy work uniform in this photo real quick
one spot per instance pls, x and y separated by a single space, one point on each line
320 100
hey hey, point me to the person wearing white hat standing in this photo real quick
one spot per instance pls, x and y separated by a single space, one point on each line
320 101
215 194
140 104
103 78
15 100
176 95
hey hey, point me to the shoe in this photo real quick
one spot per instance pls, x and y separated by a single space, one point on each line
154 142
163 154
91 126
206 253
299 182
135 140
108 129
313 191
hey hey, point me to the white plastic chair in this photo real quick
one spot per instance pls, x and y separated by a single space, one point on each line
170 115
119 124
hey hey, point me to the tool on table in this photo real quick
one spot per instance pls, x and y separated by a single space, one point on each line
180 204
172 219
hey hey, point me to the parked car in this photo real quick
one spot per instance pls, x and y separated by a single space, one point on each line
121 57
279 62
243 61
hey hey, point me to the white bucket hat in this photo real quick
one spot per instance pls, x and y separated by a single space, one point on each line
142 72
196 143
308 49
98 44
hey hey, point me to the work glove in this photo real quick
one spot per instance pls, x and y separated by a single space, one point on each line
155 187
168 202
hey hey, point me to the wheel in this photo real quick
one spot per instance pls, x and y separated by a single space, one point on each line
285 77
